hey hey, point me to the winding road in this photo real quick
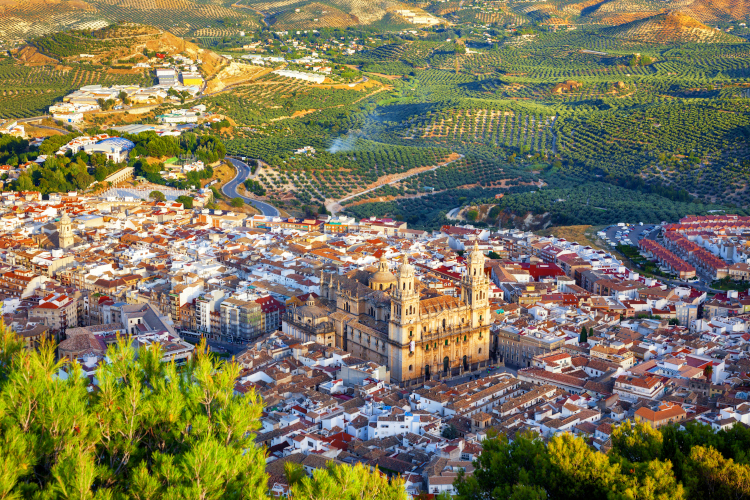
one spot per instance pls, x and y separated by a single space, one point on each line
230 188
38 125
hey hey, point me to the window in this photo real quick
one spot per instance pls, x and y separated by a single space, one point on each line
446 341
410 368
480 350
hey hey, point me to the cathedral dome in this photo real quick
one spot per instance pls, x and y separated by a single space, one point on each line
382 279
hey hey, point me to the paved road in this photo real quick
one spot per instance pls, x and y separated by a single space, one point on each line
699 285
453 213
215 345
38 125
230 188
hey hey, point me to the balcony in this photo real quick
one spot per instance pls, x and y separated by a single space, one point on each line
441 333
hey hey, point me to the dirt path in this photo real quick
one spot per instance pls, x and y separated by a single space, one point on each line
335 206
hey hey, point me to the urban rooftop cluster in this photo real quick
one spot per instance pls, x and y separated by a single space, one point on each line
374 343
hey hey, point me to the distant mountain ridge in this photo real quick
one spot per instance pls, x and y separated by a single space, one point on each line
670 27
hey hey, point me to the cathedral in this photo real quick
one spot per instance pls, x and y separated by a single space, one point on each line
395 321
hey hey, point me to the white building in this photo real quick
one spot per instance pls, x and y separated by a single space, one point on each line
206 304
299 75
68 117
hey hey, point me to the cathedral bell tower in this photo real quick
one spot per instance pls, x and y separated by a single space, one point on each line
404 305
475 288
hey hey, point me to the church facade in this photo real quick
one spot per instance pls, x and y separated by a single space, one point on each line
417 333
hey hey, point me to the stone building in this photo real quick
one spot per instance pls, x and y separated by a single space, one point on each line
65 239
309 322
416 332
518 349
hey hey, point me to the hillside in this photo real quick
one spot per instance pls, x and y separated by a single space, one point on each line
669 27
113 45
25 19
718 10
47 68
313 16
357 11
617 12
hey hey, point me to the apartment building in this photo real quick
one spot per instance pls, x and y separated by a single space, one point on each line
271 313
57 311
206 306
633 388
20 283
240 320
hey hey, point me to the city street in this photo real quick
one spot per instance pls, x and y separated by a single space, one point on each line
216 345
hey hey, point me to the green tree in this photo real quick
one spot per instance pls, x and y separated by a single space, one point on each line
186 201
450 432
237 202
100 173
566 468
577 471
348 482
157 196
24 183
472 215
148 431
583 337
293 473
503 465
637 442
710 475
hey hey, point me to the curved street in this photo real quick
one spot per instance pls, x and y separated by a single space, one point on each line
230 188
